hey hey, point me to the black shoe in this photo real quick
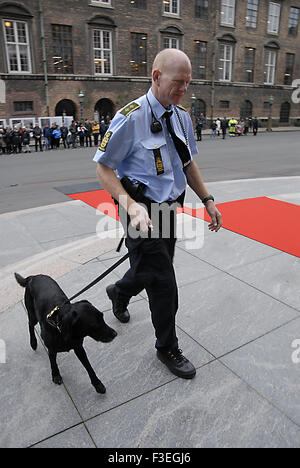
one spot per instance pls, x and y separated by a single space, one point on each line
119 304
177 363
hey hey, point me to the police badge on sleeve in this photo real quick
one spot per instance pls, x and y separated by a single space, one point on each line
105 141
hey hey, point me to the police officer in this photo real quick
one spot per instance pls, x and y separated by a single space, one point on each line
145 144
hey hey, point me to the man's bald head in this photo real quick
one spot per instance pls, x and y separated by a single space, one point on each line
171 75
169 58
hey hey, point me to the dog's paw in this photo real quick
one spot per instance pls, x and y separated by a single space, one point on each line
99 387
57 379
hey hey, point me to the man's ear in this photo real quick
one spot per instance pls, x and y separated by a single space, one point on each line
156 76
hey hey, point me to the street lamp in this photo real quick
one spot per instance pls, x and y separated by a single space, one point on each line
271 100
193 98
81 100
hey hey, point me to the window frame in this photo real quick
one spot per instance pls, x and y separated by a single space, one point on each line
146 51
224 60
101 3
273 20
290 32
170 13
249 21
171 38
201 8
199 60
270 67
61 32
249 49
226 7
17 45
102 50
289 76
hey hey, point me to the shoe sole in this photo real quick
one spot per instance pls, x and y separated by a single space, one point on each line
175 372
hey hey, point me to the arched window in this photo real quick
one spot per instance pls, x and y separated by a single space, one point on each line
246 109
65 107
285 112
105 109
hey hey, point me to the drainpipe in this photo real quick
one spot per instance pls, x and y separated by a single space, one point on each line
213 65
44 57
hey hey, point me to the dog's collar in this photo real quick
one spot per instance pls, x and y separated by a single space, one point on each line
52 319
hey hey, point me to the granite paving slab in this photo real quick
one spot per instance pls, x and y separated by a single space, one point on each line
76 437
278 276
214 410
31 406
223 313
271 365
127 366
226 249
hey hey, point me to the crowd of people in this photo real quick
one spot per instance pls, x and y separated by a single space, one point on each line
79 134
220 127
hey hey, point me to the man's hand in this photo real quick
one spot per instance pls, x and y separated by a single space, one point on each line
139 217
216 217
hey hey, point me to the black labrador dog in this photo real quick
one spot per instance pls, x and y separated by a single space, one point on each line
63 325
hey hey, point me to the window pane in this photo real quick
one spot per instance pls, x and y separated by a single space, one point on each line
249 65
201 9
138 54
228 12
252 12
9 31
139 4
22 37
293 21
62 48
12 54
171 6
102 52
200 60
289 69
274 17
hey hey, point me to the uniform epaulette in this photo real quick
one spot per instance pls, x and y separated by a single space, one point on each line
129 108
181 107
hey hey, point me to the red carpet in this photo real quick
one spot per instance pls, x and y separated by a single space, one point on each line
271 222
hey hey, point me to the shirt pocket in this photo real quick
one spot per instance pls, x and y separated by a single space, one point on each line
157 156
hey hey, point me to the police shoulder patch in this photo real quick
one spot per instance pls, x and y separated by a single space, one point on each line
129 108
181 107
105 141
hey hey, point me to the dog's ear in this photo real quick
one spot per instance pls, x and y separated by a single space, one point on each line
70 321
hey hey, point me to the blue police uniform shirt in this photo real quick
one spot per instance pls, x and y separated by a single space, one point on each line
129 147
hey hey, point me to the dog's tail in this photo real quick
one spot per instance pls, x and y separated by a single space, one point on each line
22 281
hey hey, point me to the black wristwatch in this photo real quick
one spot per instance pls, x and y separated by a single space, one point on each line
206 199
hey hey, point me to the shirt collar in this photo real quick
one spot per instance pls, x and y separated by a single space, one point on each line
157 108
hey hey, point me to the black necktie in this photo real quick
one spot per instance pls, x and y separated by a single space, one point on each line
181 148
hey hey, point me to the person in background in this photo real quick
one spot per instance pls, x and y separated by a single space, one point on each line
37 135
96 132
218 122
103 129
73 131
224 126
25 139
255 126
64 135
81 133
56 134
88 133
47 136
213 128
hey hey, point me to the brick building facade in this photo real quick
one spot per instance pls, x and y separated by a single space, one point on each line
242 51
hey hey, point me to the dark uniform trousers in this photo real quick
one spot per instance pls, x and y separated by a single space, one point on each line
151 268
